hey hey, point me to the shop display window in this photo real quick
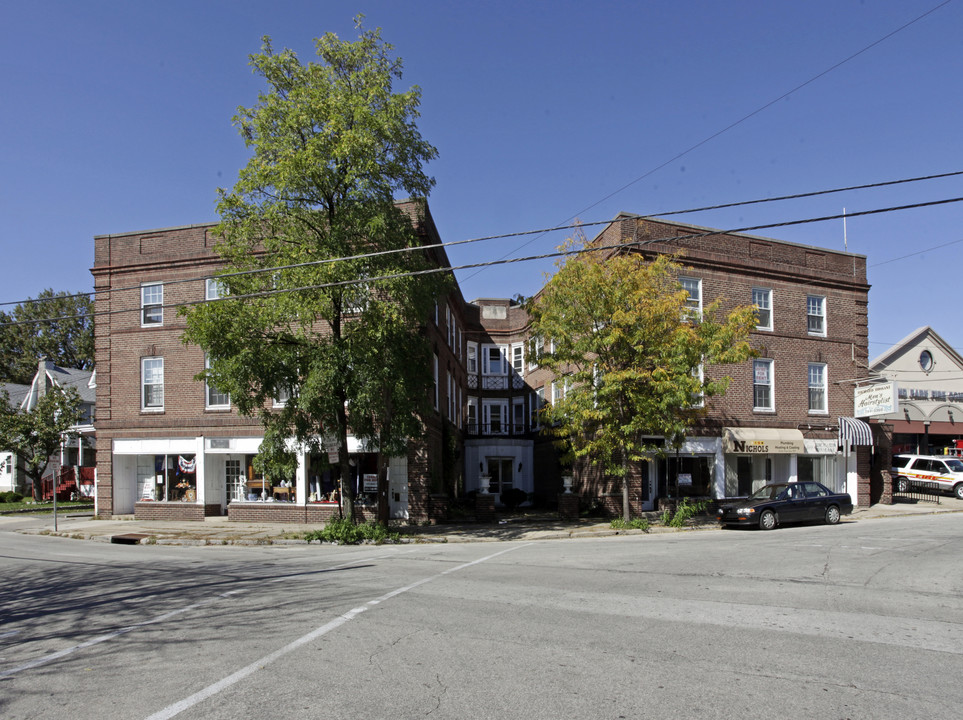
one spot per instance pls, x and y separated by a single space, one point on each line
686 476
167 478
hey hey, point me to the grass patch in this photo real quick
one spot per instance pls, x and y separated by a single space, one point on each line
42 508
620 523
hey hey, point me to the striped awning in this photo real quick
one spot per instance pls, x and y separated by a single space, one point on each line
854 432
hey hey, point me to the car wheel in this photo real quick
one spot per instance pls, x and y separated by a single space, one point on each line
958 491
767 521
902 484
832 515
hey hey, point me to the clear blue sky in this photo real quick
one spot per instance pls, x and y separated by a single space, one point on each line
116 116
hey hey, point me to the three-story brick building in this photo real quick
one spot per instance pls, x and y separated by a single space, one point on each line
172 447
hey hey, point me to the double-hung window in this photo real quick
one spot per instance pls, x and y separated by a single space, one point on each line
762 300
817 388
473 358
214 289
816 314
494 360
152 384
215 399
518 358
151 304
762 395
693 303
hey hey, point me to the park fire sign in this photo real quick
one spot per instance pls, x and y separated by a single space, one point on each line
762 441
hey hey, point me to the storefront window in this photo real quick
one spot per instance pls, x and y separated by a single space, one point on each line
689 476
260 488
167 478
747 473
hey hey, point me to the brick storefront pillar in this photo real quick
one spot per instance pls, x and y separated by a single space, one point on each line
485 508
568 505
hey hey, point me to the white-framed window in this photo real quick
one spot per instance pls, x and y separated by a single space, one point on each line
762 299
535 346
435 369
214 398
560 388
537 403
473 358
282 396
818 395
151 304
451 397
495 416
698 398
693 304
494 360
152 384
214 289
762 395
518 357
518 415
472 414
816 314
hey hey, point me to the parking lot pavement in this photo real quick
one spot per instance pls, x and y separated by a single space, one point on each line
221 531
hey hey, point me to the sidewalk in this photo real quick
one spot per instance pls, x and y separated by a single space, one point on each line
221 531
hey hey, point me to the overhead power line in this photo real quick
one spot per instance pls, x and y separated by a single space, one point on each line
521 233
743 119
500 261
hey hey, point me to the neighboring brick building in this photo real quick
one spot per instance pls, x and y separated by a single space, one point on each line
170 447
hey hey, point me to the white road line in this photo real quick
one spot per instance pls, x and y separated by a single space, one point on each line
211 690
110 636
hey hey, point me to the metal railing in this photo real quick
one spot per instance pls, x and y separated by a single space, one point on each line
916 490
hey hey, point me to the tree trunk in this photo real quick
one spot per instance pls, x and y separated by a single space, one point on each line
383 514
347 482
625 487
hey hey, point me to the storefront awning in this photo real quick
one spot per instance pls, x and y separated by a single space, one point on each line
762 441
854 432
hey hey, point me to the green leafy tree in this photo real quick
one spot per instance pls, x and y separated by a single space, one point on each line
55 325
35 435
327 309
631 355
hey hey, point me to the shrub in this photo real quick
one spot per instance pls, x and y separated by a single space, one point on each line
342 531
10 496
512 498
683 513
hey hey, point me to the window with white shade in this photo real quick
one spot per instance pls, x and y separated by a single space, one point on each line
762 395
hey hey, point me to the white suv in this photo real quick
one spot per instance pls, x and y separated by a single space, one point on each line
945 471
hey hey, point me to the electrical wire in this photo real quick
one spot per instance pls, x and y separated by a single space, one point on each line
541 231
743 119
635 244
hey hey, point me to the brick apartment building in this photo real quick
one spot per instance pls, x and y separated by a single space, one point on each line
172 447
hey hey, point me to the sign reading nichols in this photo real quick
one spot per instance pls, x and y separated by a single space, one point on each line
762 441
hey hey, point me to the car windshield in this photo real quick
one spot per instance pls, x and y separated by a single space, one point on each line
954 465
768 492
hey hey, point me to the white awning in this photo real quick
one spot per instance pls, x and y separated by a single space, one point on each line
762 441
854 432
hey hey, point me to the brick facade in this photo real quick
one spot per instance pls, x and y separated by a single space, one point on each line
483 423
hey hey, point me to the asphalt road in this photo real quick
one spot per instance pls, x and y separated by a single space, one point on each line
861 620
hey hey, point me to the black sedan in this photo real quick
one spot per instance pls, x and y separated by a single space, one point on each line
781 503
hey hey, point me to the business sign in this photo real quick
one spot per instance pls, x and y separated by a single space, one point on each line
762 441
878 399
